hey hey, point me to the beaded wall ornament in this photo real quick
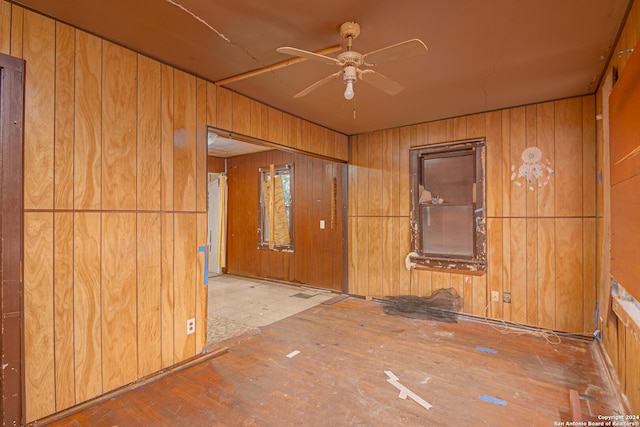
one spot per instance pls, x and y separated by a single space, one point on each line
533 172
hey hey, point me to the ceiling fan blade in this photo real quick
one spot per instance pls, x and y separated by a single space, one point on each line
274 67
383 83
306 54
317 84
404 49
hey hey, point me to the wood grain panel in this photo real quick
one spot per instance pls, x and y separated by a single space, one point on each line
404 247
64 116
86 305
119 309
467 296
589 235
589 180
374 256
5 27
375 176
532 271
386 148
506 265
305 136
569 286
362 261
149 144
632 380
63 304
390 261
493 177
437 132
296 132
518 269
275 126
39 339
568 157
17 15
362 150
167 109
255 113
202 289
406 135
167 289
119 132
212 104
517 144
352 259
241 114
440 280
545 133
149 293
88 102
531 128
353 180
459 128
39 95
201 143
625 229
224 108
546 273
185 277
479 295
286 129
184 142
507 185
494 263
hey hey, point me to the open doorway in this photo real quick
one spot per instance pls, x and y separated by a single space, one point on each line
248 286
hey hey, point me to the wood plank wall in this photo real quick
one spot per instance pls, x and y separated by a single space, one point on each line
620 341
317 256
541 243
115 206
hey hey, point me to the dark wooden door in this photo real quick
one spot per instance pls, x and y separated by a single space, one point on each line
11 286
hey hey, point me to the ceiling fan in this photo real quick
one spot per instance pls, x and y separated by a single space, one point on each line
349 62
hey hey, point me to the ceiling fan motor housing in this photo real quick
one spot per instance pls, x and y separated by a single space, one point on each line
350 29
350 57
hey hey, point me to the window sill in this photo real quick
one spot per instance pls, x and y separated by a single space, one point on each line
448 266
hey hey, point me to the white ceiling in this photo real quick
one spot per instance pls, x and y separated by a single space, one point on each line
483 55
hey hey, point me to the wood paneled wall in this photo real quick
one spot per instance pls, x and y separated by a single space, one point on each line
541 243
115 205
245 116
620 338
317 256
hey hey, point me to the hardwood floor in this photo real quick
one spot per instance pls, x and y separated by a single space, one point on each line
469 372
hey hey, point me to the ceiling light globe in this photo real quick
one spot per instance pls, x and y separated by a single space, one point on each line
348 92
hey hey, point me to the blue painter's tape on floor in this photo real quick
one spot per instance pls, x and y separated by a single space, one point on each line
493 400
486 350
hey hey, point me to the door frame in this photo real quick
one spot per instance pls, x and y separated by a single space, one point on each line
12 391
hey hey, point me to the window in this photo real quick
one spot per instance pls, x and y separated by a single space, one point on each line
447 199
275 205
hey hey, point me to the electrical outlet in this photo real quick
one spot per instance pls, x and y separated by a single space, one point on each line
322 224
191 326
506 297
495 296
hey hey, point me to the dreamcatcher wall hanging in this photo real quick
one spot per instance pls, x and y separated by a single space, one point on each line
533 172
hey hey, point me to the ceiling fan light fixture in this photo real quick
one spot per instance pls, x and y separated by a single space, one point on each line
349 78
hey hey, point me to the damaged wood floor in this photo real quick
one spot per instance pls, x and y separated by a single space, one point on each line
469 372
